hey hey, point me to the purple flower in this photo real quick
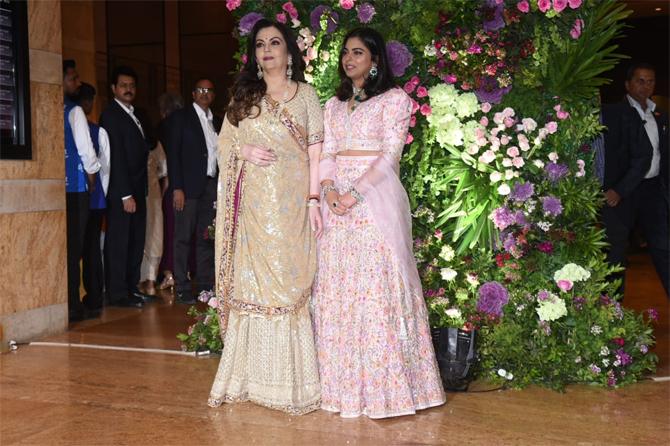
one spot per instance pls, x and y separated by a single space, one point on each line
644 349
509 243
546 328
551 206
399 57
502 218
492 297
618 311
490 91
605 300
365 12
623 357
594 369
556 171
543 295
653 314
520 218
545 247
248 21
611 379
579 302
522 192
315 19
493 16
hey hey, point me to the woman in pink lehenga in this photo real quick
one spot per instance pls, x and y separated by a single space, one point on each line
371 325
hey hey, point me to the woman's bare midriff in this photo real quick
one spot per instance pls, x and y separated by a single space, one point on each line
359 153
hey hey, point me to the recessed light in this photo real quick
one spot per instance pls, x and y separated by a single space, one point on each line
658 9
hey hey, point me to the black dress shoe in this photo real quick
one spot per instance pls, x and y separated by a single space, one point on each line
184 299
146 298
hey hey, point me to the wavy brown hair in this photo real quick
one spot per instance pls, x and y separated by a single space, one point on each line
247 90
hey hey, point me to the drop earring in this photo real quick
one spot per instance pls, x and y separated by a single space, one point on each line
289 69
259 73
373 72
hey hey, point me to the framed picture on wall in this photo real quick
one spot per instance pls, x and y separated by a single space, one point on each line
14 81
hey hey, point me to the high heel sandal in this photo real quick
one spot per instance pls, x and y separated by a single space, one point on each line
168 281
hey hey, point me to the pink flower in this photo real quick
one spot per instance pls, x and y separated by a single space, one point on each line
513 152
504 140
551 127
486 107
415 106
438 235
233 4
544 5
560 5
576 30
292 11
574 4
409 87
619 341
281 17
509 122
346 4
412 121
244 58
475 49
426 110
484 121
523 6
409 139
453 55
564 285
421 92
415 80
450 78
213 302
518 162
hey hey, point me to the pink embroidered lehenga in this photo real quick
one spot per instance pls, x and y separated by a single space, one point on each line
372 335
266 259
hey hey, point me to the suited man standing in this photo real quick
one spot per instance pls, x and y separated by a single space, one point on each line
635 179
192 170
126 196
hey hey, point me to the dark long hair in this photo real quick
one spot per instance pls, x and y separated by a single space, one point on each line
374 42
247 90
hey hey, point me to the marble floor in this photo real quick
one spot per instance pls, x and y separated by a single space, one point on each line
83 396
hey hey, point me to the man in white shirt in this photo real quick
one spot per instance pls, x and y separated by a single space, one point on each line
192 169
636 171
81 166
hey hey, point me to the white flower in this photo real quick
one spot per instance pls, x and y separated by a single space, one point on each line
544 225
572 272
604 351
502 373
448 274
530 205
509 376
454 313
506 162
518 162
487 157
578 359
429 50
553 156
447 253
472 279
606 362
529 124
504 189
443 50
616 363
495 177
551 309
596 330
539 163
520 308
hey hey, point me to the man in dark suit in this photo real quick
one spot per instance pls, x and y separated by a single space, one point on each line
636 171
192 170
126 197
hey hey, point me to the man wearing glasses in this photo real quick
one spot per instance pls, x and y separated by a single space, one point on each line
192 171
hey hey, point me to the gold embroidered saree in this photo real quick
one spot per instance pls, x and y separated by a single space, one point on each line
266 259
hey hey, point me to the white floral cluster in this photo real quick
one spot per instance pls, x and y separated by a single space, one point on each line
551 308
572 272
500 146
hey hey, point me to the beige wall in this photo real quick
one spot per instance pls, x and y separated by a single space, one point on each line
33 284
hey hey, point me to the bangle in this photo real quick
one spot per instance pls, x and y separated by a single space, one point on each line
357 195
313 197
328 188
313 204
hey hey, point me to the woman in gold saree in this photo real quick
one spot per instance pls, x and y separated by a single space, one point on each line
266 224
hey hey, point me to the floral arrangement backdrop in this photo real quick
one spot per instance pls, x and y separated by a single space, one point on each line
498 168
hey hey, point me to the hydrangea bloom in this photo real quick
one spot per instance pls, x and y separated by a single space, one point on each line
556 171
315 19
572 272
552 308
248 21
522 192
399 57
502 218
492 297
551 206
366 12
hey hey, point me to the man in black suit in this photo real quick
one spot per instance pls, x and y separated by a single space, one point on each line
126 197
636 171
192 170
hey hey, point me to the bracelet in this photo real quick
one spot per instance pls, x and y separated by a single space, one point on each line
313 197
328 188
313 204
357 195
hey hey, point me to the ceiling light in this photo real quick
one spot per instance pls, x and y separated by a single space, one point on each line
658 9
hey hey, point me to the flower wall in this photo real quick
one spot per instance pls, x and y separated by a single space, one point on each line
498 169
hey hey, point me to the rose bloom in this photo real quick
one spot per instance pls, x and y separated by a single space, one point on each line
347 4
523 6
421 92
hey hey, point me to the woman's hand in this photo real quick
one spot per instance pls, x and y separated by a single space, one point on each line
259 156
315 221
333 200
347 200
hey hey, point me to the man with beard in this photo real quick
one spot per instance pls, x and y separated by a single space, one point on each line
126 197
81 165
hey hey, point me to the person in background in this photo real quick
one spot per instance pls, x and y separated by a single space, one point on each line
635 172
126 198
81 166
167 104
193 172
92 265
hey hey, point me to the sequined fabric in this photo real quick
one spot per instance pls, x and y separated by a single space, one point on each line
266 261
373 341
